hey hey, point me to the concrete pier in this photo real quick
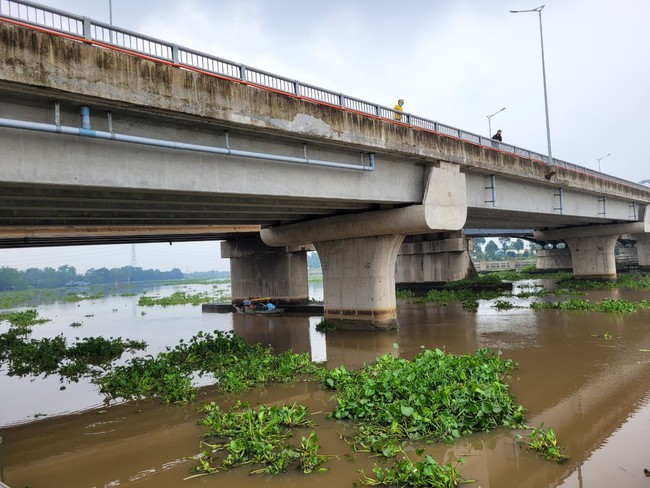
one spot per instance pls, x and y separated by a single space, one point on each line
554 259
433 258
256 269
359 281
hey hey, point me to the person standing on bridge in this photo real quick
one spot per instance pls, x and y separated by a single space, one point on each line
398 109
497 136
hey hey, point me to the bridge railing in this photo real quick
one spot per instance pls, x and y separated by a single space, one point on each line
53 19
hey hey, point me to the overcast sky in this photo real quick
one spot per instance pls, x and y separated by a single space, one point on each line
454 61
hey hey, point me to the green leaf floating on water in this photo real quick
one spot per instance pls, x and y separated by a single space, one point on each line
406 411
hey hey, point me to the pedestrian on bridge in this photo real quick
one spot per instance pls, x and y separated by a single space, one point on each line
398 109
497 136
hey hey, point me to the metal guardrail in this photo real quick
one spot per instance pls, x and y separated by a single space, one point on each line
68 23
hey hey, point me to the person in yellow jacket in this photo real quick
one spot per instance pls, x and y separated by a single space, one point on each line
398 109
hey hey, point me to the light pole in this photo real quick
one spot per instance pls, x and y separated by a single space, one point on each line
609 154
489 117
110 12
541 38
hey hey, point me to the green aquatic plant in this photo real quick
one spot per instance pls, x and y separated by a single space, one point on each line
436 395
424 472
325 326
607 305
571 304
617 306
235 365
545 443
26 318
404 294
181 298
503 305
633 281
48 356
242 435
148 377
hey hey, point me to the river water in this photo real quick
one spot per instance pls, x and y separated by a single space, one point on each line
594 392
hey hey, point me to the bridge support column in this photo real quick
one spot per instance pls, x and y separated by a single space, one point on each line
264 271
643 250
554 259
428 259
593 256
359 281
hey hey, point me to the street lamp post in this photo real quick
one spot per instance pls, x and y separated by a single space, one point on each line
489 117
603 157
541 38
110 12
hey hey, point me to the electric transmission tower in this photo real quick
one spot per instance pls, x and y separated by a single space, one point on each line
133 261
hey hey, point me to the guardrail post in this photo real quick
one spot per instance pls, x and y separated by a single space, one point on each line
87 31
175 55
242 72
341 100
296 87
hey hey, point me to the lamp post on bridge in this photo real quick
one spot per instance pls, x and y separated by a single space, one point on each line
110 12
603 157
541 38
489 117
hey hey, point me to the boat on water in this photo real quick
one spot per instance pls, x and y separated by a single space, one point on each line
257 306
257 311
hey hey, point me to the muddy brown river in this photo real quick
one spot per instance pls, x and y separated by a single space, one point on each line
593 391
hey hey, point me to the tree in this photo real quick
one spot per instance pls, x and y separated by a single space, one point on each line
504 243
518 245
478 242
10 279
490 249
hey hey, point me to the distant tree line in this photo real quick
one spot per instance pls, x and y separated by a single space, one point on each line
506 249
12 279
313 261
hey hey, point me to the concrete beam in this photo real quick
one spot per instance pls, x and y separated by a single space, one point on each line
19 232
640 227
444 208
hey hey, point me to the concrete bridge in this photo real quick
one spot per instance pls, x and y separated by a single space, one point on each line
110 136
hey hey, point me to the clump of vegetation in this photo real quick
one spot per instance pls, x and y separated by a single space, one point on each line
436 395
180 298
79 297
26 318
235 365
446 296
632 281
424 472
325 326
545 443
87 357
404 294
607 305
242 435
503 305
